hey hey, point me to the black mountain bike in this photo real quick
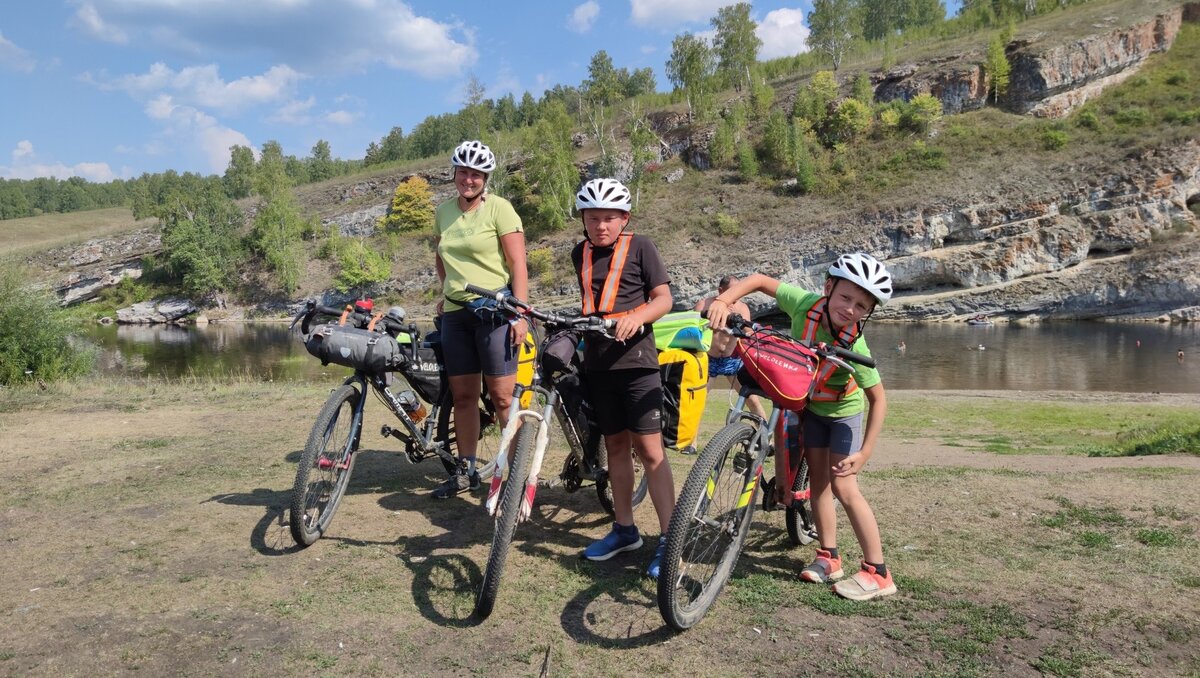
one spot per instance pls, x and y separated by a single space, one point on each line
425 413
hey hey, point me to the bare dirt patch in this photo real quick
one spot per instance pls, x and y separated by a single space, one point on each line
145 529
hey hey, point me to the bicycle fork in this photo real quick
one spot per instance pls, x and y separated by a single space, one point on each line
503 460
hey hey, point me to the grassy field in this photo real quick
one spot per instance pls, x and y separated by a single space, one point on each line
33 234
145 530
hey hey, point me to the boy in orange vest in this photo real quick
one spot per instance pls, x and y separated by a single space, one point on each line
834 440
622 276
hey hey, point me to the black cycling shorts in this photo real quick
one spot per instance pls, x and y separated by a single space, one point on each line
626 400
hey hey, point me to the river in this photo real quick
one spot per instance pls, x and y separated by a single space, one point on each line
1076 356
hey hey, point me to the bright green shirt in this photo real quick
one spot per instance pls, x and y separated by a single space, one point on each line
470 248
796 302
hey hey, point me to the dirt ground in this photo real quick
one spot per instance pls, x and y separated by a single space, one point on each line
146 530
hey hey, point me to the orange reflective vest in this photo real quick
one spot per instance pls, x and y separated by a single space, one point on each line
612 281
820 390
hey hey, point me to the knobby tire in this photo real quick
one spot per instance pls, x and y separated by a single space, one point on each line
799 520
506 521
317 492
699 556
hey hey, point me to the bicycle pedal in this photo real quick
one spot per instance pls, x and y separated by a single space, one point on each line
768 494
386 431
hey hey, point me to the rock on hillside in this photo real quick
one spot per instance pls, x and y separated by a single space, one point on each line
1123 245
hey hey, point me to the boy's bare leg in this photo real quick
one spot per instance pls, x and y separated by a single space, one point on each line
862 518
649 448
824 516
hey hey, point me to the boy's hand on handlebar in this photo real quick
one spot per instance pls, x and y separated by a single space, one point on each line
627 327
718 314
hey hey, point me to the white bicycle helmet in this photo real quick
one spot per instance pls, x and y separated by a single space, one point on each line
604 194
475 155
865 271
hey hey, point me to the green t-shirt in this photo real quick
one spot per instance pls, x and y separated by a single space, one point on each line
470 248
796 302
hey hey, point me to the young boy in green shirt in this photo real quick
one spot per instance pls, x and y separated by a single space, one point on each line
834 440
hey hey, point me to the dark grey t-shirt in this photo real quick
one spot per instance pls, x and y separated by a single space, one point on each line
644 270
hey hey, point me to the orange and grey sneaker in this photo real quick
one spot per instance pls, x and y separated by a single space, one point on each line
866 584
823 568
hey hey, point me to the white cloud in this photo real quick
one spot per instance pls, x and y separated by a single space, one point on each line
202 86
584 16
783 33
329 36
341 117
669 13
295 112
88 19
26 165
649 49
14 58
193 131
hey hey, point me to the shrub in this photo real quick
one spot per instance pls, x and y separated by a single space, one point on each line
35 334
921 114
747 162
361 266
1134 116
727 226
1089 120
411 208
541 266
851 119
1178 78
1053 139
889 117
721 147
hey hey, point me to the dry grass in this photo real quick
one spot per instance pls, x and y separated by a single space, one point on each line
147 522
21 236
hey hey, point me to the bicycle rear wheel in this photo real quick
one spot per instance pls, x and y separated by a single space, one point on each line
641 484
325 466
506 517
709 525
489 434
799 521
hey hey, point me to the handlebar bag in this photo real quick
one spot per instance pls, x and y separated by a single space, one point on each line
783 369
427 374
366 350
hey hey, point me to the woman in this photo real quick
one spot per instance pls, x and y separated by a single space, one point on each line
480 241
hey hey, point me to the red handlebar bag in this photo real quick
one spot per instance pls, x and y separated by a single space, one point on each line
783 369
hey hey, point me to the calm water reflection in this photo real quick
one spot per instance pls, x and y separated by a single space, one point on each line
1050 356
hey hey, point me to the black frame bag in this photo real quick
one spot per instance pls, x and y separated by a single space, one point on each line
371 351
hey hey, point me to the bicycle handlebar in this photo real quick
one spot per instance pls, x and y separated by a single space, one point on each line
738 326
517 308
312 309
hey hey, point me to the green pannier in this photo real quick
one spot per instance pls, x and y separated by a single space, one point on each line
682 329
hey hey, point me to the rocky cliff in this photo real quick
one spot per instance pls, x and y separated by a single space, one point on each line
1049 77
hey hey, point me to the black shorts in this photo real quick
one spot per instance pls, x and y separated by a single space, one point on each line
472 344
626 400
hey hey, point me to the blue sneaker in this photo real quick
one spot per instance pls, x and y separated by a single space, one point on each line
656 564
620 539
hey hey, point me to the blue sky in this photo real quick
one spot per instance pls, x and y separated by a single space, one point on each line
108 89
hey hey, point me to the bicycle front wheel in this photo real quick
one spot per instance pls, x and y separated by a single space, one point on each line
489 434
506 517
325 466
709 525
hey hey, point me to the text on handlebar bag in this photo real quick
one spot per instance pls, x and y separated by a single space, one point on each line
783 369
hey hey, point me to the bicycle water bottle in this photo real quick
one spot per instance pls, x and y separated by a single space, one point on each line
413 407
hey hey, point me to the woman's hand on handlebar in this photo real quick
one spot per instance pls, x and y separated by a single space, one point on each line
517 331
